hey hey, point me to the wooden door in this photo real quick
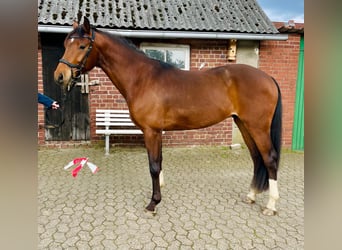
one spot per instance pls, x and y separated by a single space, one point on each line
71 121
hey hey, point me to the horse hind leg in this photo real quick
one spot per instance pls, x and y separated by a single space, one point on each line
271 158
260 177
270 162
269 144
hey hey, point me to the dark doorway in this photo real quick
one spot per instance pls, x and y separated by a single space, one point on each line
71 121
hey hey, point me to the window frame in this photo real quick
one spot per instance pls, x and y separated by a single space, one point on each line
169 46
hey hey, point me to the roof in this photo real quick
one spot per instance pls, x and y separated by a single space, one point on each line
245 16
289 27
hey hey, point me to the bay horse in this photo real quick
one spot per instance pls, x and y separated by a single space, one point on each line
161 97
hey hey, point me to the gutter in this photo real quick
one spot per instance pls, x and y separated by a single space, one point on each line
171 34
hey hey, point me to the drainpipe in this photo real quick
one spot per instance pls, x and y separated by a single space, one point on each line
172 34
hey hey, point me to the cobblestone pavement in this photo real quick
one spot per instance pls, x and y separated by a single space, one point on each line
201 204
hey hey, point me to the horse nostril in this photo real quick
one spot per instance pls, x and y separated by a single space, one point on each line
60 78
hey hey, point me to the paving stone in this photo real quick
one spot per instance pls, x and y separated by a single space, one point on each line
202 205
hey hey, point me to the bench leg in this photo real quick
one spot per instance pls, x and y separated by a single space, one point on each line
107 145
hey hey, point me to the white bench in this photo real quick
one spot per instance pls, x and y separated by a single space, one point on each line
114 122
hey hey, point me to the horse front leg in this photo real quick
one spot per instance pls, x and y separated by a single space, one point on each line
153 142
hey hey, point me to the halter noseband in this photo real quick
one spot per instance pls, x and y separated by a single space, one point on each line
79 67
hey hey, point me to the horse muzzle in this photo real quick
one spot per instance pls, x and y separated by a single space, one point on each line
66 78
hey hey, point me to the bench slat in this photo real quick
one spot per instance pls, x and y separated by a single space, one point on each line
112 115
116 124
119 131
125 111
113 119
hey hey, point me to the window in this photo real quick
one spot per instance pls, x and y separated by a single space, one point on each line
177 55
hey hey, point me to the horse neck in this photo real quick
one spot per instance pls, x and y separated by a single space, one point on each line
121 64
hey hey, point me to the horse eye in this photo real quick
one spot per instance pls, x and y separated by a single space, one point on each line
82 46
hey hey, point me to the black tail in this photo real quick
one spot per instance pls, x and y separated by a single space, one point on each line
260 179
276 126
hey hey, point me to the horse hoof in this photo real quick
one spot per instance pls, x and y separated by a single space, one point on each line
269 212
149 212
249 200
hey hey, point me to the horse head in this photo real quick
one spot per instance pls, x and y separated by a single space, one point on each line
79 56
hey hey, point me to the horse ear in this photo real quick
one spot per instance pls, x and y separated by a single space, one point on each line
86 25
75 24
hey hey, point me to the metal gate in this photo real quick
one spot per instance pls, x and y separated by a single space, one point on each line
298 122
71 121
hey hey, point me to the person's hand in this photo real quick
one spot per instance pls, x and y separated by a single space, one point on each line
55 105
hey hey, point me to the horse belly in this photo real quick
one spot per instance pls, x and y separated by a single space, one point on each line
198 110
194 118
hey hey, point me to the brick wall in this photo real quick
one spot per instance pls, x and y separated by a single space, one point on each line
40 108
280 60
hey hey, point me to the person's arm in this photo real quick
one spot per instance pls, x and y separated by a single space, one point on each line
47 101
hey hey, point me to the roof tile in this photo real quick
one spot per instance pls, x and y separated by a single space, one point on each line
187 15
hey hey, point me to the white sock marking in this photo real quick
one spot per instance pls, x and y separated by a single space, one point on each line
161 179
274 194
251 195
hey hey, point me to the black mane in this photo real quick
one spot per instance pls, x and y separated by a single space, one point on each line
124 41
130 45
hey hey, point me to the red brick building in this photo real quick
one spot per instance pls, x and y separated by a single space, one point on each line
280 60
277 54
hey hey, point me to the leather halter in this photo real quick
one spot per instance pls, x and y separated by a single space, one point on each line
79 67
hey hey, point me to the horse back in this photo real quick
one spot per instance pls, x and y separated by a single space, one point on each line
173 99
